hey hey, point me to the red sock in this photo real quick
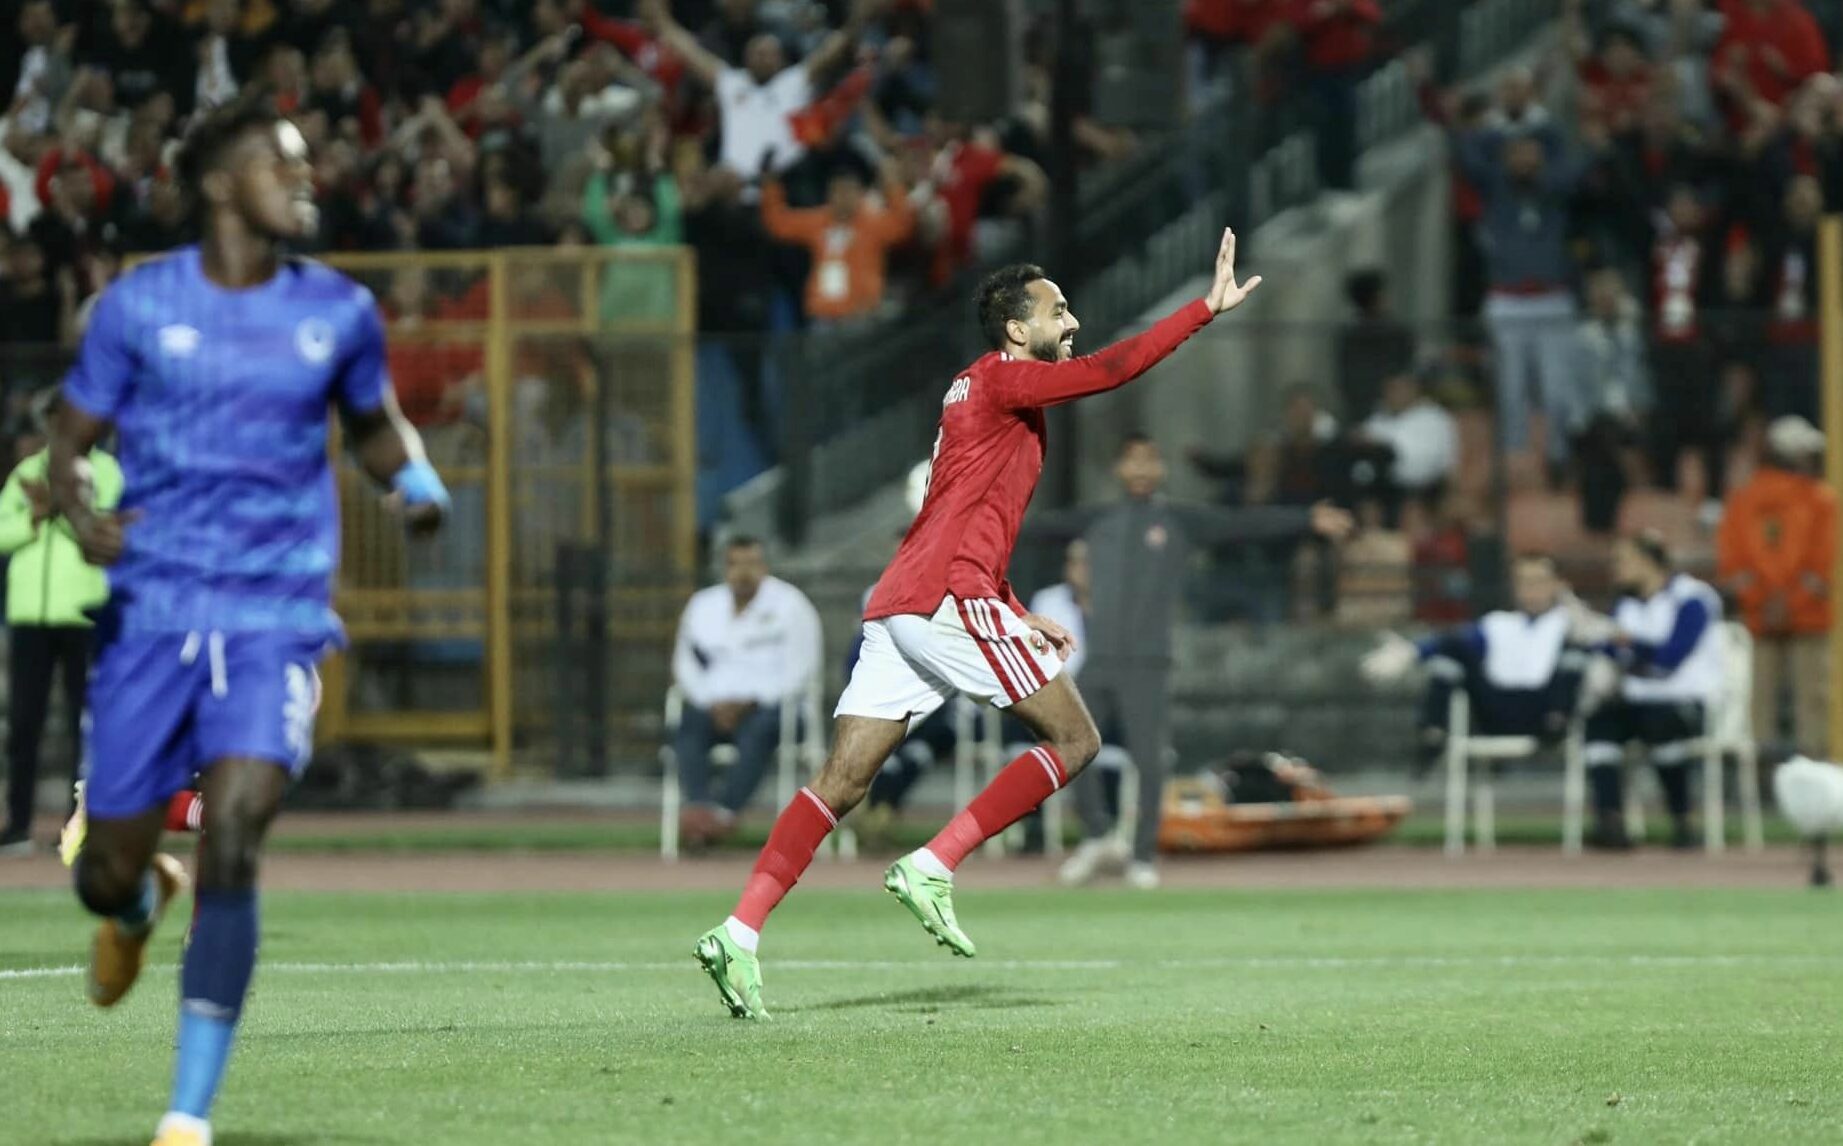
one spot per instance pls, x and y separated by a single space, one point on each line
185 812
1013 794
803 825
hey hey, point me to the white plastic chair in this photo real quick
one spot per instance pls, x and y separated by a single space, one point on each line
1462 749
801 751
1727 729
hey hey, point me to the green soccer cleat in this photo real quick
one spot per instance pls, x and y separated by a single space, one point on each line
737 973
931 899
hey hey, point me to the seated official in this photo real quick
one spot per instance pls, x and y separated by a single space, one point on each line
1669 646
744 648
1520 669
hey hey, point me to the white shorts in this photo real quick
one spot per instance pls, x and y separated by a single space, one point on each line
910 665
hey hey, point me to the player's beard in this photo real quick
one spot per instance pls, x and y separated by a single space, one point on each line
1049 349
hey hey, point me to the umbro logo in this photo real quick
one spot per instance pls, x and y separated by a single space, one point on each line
178 340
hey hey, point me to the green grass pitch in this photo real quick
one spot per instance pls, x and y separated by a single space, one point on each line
1103 1017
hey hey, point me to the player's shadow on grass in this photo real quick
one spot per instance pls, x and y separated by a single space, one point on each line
927 1000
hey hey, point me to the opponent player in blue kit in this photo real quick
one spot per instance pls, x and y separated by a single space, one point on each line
216 366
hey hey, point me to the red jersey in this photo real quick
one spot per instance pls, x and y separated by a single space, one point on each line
987 458
1337 36
962 172
1777 49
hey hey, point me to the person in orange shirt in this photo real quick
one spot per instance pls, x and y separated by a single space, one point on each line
1774 551
850 238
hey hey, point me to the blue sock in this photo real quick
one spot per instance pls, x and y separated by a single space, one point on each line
219 962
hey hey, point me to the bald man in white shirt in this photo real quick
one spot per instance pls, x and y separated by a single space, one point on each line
745 647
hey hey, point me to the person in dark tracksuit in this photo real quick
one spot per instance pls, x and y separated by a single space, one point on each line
1670 646
1139 551
48 589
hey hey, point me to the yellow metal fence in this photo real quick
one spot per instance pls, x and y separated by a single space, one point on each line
554 391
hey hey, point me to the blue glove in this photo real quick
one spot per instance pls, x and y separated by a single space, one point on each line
419 484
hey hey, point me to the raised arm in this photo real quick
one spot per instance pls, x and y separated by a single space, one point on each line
701 61
1026 384
1059 524
1033 184
1215 526
548 50
897 219
1477 153
789 224
836 48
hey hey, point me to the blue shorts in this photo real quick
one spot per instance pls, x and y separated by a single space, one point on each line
163 706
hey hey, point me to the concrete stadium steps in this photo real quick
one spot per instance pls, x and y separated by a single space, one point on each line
1285 688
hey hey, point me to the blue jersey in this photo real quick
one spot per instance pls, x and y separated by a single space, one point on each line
221 400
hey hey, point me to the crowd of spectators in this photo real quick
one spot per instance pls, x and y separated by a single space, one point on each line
1308 54
795 145
1645 240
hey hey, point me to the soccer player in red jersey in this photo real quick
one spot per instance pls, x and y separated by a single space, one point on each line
944 619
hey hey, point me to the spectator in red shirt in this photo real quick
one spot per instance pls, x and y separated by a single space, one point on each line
1616 82
966 167
496 54
1216 27
632 40
430 373
1767 49
1336 35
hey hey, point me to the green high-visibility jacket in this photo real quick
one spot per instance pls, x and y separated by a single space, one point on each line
47 580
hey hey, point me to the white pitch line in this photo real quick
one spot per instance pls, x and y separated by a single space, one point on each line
1251 962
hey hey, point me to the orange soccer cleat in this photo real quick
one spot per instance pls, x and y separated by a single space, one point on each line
117 953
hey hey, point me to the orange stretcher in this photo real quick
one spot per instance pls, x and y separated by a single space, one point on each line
1198 818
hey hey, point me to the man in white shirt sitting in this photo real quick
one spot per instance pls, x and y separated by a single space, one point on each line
1415 449
745 648
1521 669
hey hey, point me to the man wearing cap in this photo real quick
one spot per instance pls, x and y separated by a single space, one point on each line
1774 551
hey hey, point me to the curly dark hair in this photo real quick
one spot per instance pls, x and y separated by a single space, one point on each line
1004 296
208 143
